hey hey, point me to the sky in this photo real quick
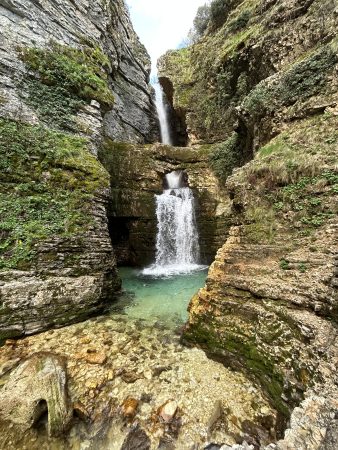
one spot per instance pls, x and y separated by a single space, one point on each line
162 24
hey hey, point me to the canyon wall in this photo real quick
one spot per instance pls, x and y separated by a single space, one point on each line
263 86
137 174
71 73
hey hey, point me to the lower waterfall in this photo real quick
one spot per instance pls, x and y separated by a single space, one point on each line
177 246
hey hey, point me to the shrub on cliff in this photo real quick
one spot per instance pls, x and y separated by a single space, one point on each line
219 11
80 72
226 156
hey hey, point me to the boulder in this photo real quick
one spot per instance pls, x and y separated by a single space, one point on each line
37 386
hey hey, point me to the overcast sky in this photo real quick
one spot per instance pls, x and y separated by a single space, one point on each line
162 24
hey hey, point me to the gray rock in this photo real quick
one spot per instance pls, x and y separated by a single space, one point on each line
38 385
103 24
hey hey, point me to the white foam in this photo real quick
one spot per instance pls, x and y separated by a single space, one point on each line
172 270
177 243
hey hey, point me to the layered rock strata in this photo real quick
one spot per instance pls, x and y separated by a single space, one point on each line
70 73
104 27
269 306
137 174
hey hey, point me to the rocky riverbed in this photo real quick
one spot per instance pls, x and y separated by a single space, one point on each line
130 381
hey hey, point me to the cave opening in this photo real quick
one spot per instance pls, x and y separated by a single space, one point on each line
119 231
41 416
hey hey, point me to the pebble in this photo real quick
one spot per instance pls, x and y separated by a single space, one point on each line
168 410
129 408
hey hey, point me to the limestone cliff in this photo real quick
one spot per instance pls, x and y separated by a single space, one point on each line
262 86
71 72
137 174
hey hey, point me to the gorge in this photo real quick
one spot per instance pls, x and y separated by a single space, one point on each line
244 181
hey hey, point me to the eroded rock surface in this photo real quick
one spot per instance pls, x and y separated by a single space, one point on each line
37 386
148 390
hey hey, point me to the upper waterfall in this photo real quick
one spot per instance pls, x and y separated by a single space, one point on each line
162 111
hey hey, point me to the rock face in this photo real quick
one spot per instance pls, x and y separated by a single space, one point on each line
101 26
137 174
269 306
37 386
71 73
244 58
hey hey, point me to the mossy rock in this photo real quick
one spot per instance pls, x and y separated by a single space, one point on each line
47 183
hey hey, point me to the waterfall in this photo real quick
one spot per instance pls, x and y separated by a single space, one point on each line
162 112
177 246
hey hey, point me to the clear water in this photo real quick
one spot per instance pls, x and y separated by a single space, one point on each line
158 299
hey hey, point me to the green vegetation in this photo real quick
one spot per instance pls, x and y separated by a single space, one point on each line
47 182
225 157
67 78
240 22
54 105
303 80
284 264
294 180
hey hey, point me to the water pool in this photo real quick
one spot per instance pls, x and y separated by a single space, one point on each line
158 299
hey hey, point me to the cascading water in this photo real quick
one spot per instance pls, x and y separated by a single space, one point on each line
177 247
162 112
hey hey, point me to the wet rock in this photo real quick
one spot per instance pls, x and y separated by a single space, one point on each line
137 439
95 357
38 385
168 410
129 408
130 377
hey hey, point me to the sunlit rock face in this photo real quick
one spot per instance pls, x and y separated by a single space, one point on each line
71 73
100 26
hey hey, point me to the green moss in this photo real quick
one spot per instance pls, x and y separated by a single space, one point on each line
83 72
225 157
54 105
244 352
47 183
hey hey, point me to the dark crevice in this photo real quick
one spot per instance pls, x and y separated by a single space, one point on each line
177 117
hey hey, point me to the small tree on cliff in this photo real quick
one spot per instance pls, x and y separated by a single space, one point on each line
202 19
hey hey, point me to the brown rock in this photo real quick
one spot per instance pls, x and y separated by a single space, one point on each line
92 356
129 408
130 377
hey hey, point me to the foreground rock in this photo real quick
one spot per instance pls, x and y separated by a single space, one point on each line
149 391
36 387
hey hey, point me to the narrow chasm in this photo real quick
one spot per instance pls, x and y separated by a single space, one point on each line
208 186
176 117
